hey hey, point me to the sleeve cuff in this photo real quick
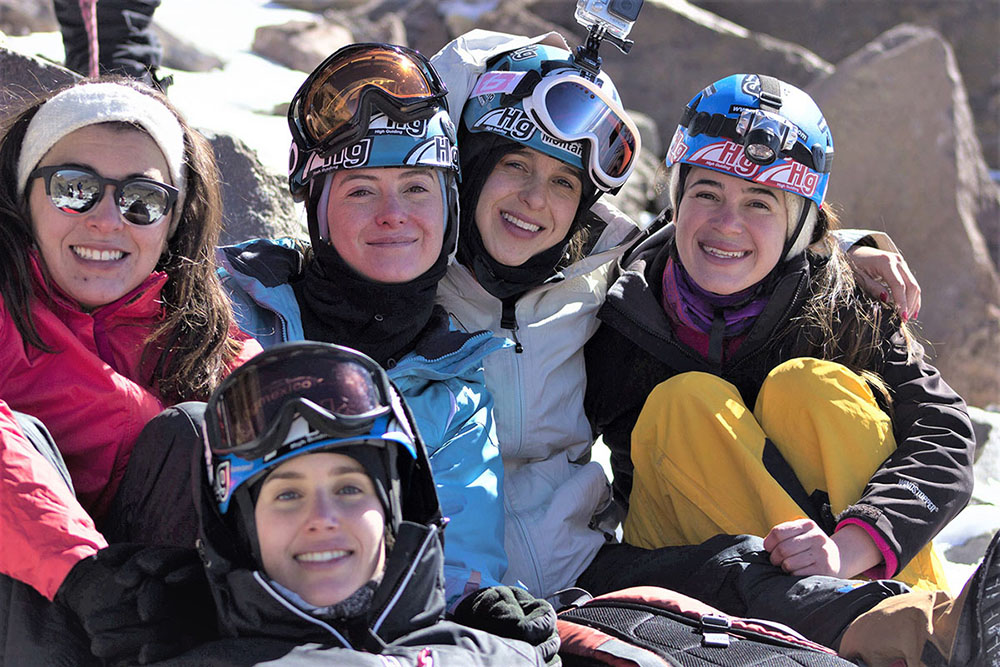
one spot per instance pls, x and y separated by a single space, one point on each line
889 561
846 238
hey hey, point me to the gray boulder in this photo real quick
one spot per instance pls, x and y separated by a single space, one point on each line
834 29
25 77
300 45
907 161
255 201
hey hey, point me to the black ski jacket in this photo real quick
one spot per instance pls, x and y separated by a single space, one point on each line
915 492
403 626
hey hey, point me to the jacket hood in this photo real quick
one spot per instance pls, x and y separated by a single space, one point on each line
409 597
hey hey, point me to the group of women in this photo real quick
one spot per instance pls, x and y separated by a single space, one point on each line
457 238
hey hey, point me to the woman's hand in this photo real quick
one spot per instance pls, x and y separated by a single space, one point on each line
800 547
887 277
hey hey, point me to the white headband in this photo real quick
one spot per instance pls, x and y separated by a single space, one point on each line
104 102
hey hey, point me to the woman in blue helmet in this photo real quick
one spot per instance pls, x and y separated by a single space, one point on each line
321 532
765 393
374 158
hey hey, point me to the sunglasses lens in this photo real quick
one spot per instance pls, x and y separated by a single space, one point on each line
578 112
257 393
74 191
333 98
143 203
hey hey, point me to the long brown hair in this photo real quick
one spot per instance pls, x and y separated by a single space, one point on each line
840 322
192 344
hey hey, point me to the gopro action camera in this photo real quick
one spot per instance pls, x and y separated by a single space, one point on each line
615 16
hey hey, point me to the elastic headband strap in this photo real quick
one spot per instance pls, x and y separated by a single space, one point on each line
104 102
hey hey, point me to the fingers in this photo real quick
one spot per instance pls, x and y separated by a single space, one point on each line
886 276
800 547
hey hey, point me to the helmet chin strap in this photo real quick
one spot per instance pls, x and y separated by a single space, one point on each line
801 236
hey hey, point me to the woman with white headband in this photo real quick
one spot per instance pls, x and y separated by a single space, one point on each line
111 310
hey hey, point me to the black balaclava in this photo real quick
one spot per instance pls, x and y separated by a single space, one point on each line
341 306
480 152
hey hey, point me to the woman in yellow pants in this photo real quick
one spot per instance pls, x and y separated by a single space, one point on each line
753 387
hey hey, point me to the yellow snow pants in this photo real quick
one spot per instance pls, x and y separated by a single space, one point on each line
697 452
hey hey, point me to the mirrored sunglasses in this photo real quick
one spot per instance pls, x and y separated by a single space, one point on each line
76 190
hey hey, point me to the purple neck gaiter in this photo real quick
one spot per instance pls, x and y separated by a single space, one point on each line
695 307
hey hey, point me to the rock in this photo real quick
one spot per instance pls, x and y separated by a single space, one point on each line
425 27
26 77
320 6
255 201
387 27
986 425
907 161
300 45
182 55
971 27
22 17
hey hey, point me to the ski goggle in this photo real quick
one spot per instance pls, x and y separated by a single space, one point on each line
76 190
338 391
331 109
572 108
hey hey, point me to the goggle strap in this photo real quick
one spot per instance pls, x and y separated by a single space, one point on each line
770 93
525 86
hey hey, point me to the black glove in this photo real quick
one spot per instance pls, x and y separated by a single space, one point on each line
513 613
140 604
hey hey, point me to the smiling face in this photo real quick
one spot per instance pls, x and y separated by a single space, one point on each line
526 205
730 232
321 527
96 257
387 223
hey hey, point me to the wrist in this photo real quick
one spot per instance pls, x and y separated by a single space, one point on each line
858 551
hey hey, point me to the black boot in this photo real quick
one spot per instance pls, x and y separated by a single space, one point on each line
977 637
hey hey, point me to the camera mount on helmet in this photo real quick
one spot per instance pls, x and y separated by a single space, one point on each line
609 20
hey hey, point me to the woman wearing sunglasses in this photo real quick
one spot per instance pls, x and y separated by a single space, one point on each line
374 159
110 311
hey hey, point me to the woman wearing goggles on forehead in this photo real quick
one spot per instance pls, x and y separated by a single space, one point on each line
111 311
374 159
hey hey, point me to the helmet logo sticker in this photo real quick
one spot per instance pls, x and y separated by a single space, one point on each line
508 121
491 83
350 157
221 486
751 85
382 124
435 152
725 156
525 53
790 176
677 147
574 147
